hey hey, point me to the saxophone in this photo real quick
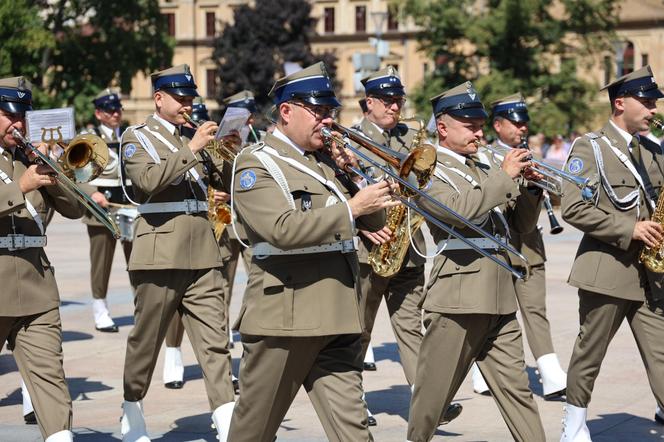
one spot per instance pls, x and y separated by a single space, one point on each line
653 257
386 259
219 214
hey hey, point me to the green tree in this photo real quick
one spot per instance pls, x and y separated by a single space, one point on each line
505 46
250 53
71 49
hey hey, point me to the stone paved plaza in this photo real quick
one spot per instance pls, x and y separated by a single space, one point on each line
622 407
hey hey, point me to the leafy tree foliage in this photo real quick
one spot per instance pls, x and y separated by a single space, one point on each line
507 46
71 49
250 53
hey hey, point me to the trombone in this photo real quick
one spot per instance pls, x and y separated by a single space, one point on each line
410 183
554 177
81 162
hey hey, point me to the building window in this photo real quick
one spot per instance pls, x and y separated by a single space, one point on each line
328 15
392 20
360 18
170 20
628 59
211 75
644 60
210 21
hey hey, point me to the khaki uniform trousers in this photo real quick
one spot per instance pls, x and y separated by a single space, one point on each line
451 344
102 249
531 295
36 342
274 368
198 298
402 294
600 318
175 331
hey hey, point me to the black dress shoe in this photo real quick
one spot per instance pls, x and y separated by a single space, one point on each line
110 329
659 419
555 395
30 418
370 366
452 412
371 421
175 385
236 386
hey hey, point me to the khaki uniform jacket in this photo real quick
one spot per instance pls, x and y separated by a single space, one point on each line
399 144
463 281
27 276
307 294
607 261
169 240
531 244
111 172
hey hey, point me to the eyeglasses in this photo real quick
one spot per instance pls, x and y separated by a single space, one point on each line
319 112
389 101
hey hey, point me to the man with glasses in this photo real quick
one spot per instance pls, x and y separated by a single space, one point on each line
300 320
175 262
29 301
385 98
104 191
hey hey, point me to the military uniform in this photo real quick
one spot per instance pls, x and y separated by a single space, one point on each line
29 315
470 302
300 318
102 242
613 284
175 263
531 293
403 291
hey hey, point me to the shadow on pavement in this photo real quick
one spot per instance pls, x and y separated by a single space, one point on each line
69 336
123 321
80 387
625 427
190 428
393 401
387 351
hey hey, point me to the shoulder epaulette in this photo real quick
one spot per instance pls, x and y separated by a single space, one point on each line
592 135
255 147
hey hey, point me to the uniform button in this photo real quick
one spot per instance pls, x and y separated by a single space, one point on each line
184 161
10 203
456 267
508 195
306 188
153 228
337 236
623 181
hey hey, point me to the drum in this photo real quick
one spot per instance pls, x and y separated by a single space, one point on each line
125 217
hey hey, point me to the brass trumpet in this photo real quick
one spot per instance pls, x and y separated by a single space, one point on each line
410 183
553 176
83 159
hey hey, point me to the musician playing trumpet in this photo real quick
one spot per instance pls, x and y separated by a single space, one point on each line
29 301
470 302
175 263
510 122
613 285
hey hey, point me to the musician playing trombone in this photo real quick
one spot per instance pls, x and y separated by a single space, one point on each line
470 303
29 300
175 262
613 284
510 122
300 320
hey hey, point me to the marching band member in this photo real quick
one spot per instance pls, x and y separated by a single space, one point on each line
613 284
300 320
29 307
385 97
175 261
510 122
470 302
104 190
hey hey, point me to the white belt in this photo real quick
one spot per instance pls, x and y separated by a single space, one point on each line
262 250
186 206
18 242
106 182
457 244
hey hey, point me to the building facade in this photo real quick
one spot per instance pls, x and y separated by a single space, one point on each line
350 29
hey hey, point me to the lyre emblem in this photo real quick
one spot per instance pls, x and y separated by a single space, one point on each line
51 139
